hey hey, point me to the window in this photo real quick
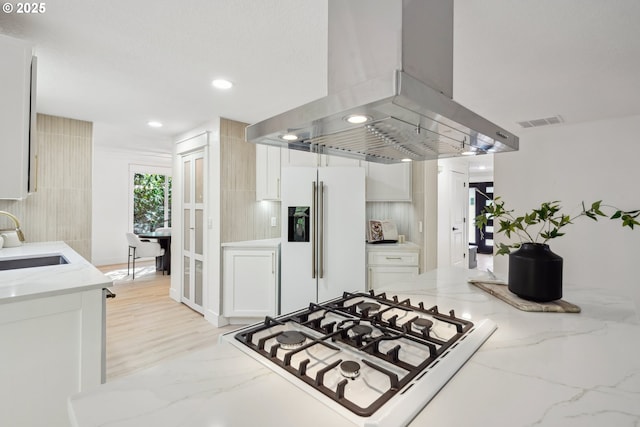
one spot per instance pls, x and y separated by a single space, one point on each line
151 201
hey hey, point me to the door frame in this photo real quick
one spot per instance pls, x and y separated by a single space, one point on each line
194 206
482 235
458 240
195 143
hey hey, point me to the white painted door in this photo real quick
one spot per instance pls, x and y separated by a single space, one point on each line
459 200
193 220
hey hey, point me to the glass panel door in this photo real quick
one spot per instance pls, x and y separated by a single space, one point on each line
483 197
193 214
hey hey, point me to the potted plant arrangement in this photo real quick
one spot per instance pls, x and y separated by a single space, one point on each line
535 273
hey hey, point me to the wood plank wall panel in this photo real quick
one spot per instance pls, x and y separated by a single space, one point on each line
417 208
60 209
241 216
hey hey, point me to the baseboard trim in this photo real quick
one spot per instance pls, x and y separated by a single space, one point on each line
215 319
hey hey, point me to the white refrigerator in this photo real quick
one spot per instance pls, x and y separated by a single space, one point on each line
323 234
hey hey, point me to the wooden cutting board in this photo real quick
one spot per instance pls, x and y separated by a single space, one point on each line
501 291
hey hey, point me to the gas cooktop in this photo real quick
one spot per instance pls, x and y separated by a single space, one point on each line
377 360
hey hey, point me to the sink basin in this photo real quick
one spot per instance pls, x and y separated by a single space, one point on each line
37 261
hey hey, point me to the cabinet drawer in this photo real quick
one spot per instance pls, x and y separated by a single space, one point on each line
393 258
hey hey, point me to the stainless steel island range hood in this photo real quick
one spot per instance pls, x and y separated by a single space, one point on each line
390 84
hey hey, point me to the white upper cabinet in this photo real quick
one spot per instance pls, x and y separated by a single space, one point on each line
299 158
328 160
267 172
16 109
307 159
388 183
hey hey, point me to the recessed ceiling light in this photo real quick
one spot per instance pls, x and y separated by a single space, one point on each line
469 153
154 124
357 119
222 84
405 160
289 137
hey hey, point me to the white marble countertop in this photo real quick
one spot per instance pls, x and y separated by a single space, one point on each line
26 283
263 243
537 369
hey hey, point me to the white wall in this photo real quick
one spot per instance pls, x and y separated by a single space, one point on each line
572 163
111 199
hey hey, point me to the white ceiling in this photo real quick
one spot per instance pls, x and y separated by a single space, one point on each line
121 63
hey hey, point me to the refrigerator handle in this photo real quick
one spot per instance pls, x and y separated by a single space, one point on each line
321 231
314 190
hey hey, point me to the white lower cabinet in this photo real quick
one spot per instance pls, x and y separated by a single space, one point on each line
52 347
250 281
389 263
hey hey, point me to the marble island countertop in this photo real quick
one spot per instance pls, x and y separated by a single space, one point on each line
537 369
26 283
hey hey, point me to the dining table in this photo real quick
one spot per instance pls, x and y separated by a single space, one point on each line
164 239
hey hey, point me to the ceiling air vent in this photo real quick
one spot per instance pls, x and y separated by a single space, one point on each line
541 122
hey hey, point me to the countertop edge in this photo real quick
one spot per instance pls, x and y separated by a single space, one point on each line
29 283
262 243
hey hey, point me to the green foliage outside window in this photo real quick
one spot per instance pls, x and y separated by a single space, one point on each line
149 194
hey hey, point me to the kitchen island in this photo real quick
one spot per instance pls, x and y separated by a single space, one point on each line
543 369
51 332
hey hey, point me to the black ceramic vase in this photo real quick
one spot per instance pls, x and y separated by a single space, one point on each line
535 273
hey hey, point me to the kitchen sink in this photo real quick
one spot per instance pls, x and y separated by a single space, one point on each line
37 261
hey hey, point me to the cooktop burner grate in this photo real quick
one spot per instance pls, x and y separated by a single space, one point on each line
359 350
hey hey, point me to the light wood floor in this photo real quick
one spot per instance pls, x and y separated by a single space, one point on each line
145 326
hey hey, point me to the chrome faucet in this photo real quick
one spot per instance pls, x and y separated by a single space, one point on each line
17 223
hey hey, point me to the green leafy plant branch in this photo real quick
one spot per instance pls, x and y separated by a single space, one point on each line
545 223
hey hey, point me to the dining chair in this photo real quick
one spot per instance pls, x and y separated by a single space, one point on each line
142 249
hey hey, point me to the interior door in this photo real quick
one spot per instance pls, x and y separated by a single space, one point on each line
193 214
459 202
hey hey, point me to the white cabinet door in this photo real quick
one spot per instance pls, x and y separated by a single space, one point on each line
267 172
299 158
388 183
379 276
249 282
15 118
330 160
51 348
